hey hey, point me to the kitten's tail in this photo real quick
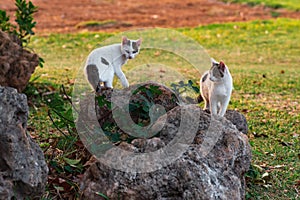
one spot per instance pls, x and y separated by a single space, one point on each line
92 76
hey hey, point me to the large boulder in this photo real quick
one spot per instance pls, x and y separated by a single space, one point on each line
23 170
16 63
211 165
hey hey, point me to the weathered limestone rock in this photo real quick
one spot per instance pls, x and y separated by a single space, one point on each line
16 63
211 167
23 170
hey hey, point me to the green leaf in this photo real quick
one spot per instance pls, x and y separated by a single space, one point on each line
41 62
146 107
102 195
68 169
149 94
196 89
72 162
190 82
133 107
155 90
58 188
102 102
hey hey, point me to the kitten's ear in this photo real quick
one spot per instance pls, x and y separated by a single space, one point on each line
124 40
139 42
213 61
222 65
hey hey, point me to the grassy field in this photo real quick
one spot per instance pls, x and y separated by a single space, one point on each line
289 4
263 57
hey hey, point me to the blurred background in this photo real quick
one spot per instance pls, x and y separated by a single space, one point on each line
109 15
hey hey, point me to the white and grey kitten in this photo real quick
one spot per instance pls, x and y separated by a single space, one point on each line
216 87
105 62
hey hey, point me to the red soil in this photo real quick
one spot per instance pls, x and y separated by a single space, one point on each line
65 15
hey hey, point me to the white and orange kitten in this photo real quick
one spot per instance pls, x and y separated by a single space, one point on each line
216 87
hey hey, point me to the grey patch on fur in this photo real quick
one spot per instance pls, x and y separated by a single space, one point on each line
135 46
93 75
216 71
104 61
204 77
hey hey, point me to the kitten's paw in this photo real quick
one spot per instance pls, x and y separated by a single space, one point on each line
126 85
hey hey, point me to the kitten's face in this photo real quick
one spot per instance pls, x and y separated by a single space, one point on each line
217 71
130 48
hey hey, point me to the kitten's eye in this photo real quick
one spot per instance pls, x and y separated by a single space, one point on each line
134 51
127 51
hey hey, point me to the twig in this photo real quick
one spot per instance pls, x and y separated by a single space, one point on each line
63 116
49 114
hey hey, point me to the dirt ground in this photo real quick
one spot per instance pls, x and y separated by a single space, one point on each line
65 15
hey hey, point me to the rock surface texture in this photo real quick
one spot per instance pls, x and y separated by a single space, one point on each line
16 63
23 170
160 95
238 120
212 166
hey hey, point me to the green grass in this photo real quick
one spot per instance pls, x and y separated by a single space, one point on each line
289 4
263 57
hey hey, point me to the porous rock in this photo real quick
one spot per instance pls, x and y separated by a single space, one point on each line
238 120
211 167
16 63
23 170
